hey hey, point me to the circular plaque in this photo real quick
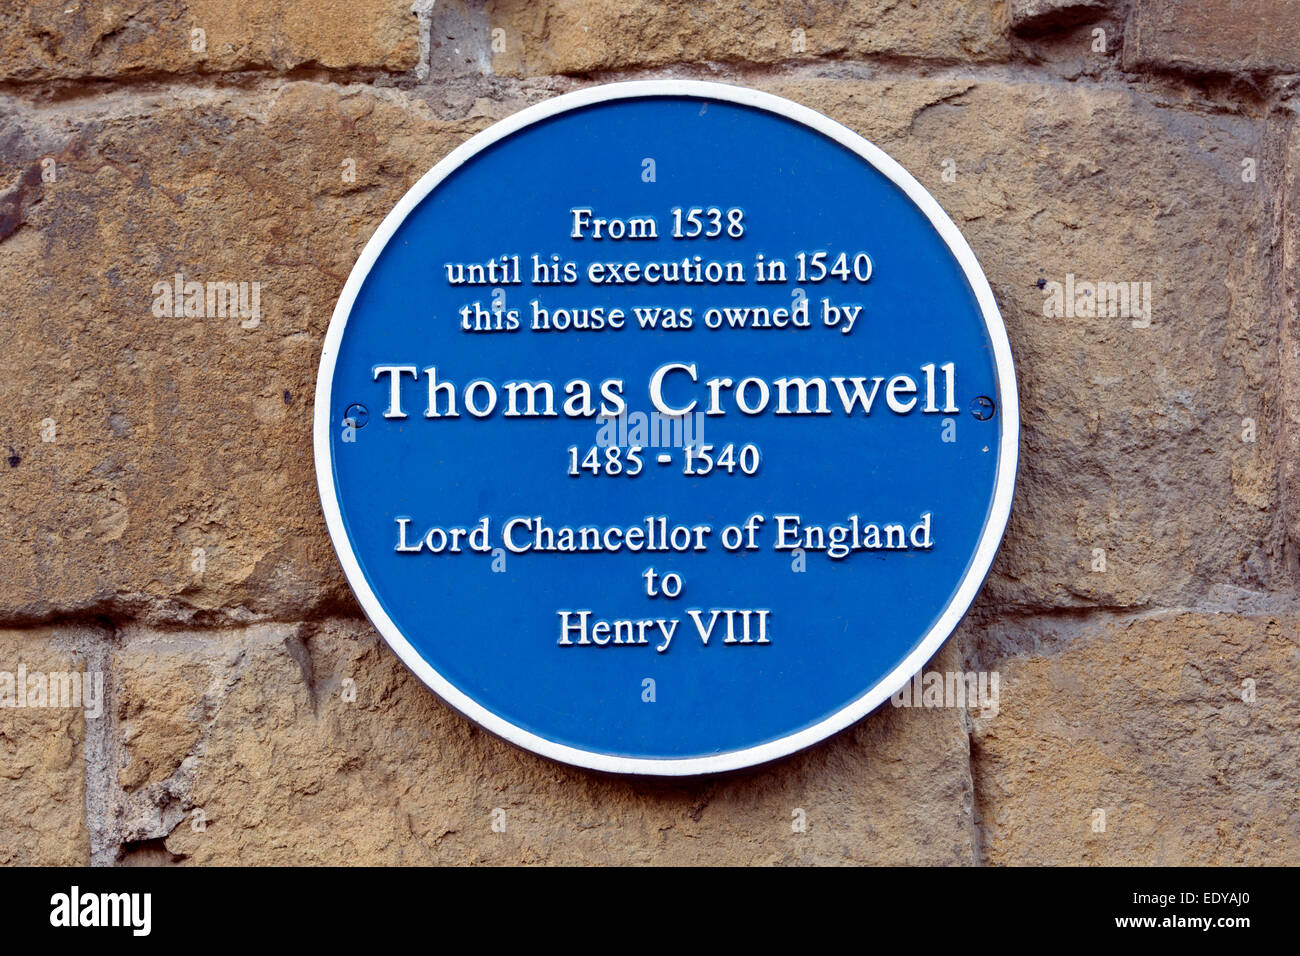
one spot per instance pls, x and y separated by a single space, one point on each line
666 427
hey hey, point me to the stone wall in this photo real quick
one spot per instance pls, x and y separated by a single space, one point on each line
161 526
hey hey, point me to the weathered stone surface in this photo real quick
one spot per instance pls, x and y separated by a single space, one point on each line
159 729
256 732
460 39
583 36
42 768
1034 15
1133 439
44 39
178 479
1289 346
1144 719
1257 36
184 443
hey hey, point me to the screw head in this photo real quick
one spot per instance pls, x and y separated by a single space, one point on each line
356 416
982 408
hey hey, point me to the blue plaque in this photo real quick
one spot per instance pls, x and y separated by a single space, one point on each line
666 428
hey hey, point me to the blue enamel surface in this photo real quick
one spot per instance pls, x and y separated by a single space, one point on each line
837 628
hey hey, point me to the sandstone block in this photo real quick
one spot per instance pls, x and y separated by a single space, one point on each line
583 36
1255 36
179 483
43 39
312 744
42 766
1177 726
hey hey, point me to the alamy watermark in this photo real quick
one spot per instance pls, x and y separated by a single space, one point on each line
212 300
650 430
1102 299
133 911
973 689
53 689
